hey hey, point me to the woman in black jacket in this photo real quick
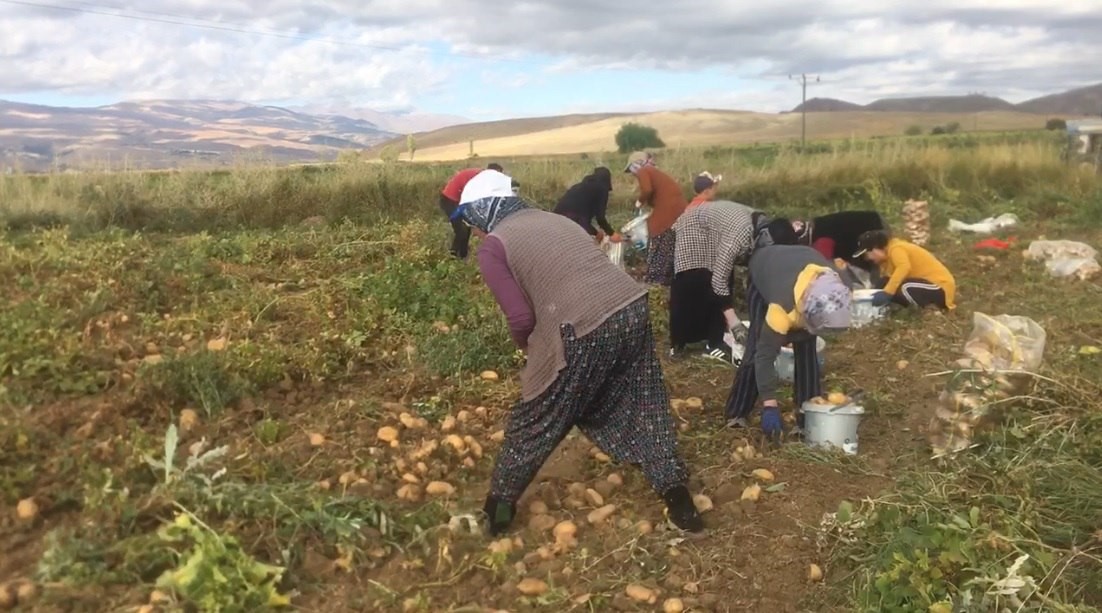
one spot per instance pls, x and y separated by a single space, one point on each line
587 201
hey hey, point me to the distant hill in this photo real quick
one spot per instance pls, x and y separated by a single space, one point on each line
495 129
826 105
167 133
392 121
1082 101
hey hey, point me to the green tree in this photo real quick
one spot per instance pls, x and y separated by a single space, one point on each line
635 137
411 146
1056 124
389 154
952 127
913 131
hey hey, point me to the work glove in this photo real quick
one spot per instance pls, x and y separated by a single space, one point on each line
881 298
771 423
740 333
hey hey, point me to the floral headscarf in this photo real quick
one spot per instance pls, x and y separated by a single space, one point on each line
826 304
639 160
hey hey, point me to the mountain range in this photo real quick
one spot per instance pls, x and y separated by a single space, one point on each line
172 133
176 133
1081 101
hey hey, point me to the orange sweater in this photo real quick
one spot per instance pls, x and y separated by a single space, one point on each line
662 193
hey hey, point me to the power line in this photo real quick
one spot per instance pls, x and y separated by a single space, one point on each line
208 24
803 106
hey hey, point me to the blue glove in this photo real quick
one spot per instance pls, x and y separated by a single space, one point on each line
771 421
881 298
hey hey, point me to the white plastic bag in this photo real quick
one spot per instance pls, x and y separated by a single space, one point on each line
636 231
986 226
614 251
1065 258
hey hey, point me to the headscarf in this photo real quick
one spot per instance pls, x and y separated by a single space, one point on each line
638 161
487 199
601 176
826 304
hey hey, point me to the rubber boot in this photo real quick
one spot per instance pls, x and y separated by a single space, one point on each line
499 514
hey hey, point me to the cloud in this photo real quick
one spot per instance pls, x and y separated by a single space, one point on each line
386 53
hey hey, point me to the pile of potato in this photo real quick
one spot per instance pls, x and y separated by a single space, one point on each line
916 221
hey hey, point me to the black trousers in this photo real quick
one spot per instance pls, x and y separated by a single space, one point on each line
696 313
920 293
461 234
744 391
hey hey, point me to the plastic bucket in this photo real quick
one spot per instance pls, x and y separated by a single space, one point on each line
838 429
785 362
863 312
614 251
636 231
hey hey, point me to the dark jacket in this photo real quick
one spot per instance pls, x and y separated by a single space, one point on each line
587 201
843 229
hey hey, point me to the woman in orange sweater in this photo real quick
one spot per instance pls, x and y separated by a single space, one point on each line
662 193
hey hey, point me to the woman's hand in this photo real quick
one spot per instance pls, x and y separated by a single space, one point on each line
616 238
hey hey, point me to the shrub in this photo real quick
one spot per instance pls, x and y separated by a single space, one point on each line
915 130
634 137
1056 124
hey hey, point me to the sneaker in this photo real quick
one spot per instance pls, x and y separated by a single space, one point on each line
738 422
677 353
720 354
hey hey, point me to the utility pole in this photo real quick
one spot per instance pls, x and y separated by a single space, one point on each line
803 106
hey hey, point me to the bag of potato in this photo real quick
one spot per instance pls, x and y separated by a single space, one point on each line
1005 342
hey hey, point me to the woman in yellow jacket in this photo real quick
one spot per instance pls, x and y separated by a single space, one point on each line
914 276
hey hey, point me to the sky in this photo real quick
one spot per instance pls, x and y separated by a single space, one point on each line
483 59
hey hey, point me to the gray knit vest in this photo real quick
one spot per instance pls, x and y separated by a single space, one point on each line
567 280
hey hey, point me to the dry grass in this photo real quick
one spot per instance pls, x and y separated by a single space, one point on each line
694 128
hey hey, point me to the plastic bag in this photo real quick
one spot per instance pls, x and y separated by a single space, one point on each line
986 226
636 231
614 251
1005 342
1065 258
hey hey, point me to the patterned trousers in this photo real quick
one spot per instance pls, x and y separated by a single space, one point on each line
744 391
612 389
660 259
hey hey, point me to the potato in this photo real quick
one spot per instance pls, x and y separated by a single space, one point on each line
8 597
531 587
188 420
677 404
388 434
703 503
317 440
837 398
409 492
473 445
694 403
616 479
463 416
456 442
594 497
902 365
641 593
565 530
27 509
217 344
673 605
410 478
598 516
489 375
644 527
538 507
602 457
448 424
348 477
764 475
814 573
752 493
541 523
504 545
498 436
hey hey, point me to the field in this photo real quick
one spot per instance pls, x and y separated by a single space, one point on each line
575 134
196 370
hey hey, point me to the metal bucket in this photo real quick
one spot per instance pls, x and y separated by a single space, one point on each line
863 312
829 425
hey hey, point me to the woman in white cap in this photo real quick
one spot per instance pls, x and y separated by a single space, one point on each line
591 361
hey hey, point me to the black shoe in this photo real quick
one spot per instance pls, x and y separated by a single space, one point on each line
676 353
721 353
681 511
499 515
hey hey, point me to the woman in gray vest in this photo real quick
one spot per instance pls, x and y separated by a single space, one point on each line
794 295
591 360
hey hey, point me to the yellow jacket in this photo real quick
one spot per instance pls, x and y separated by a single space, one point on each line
909 261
